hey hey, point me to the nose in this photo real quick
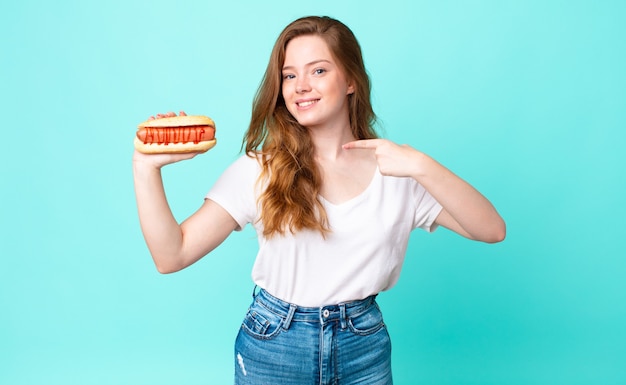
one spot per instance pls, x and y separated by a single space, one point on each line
302 85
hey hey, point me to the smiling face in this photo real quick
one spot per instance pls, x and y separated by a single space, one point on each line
314 87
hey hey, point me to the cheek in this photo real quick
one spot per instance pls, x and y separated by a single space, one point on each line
286 92
285 101
334 89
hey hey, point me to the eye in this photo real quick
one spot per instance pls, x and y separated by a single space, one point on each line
288 76
319 71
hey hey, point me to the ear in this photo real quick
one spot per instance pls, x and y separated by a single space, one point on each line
350 88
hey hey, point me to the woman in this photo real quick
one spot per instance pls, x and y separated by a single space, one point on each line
333 207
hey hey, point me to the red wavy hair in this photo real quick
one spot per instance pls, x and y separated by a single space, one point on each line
290 200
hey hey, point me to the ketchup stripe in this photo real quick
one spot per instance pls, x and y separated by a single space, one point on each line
169 135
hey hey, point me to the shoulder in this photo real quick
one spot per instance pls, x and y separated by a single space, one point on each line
247 163
236 189
241 173
399 183
405 190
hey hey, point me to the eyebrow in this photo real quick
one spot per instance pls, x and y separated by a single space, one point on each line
309 64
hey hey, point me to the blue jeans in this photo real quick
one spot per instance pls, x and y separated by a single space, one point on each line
284 344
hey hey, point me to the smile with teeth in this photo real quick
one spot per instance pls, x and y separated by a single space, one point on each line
307 103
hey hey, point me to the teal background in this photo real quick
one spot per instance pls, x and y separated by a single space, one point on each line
524 99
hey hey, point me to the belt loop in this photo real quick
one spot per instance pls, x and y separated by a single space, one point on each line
287 323
342 316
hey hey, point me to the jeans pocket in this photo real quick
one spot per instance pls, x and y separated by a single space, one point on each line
261 323
368 322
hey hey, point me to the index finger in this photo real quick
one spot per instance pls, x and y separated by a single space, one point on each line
363 143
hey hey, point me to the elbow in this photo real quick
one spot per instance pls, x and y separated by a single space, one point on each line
496 238
498 234
494 233
166 268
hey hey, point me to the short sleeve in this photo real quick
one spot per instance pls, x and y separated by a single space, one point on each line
426 211
235 190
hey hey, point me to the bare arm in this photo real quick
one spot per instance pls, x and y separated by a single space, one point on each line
172 246
465 210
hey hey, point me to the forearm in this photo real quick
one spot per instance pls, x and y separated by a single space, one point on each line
466 205
161 231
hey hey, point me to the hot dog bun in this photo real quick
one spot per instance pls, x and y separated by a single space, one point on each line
176 134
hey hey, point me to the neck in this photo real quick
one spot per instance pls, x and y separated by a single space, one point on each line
328 142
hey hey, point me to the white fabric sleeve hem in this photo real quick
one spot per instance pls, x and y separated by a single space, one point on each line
240 224
430 225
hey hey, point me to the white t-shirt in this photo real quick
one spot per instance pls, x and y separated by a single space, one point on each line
362 255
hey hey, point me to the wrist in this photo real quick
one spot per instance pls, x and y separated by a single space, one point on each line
420 165
144 167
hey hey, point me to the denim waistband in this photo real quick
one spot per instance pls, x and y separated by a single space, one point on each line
322 314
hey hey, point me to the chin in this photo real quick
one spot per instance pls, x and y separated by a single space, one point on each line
304 122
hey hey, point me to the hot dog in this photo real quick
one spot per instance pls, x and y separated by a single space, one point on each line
176 134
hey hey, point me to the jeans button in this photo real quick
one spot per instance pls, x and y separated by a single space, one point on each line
325 313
